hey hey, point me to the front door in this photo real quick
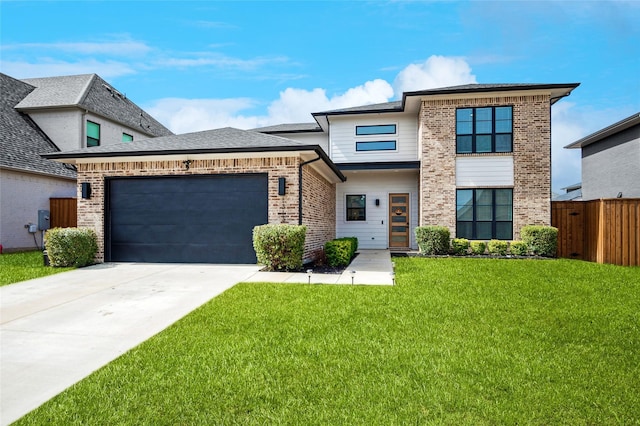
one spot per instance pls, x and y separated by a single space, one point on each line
399 220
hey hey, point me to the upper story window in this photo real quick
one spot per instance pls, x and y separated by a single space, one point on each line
93 134
356 207
127 137
378 129
486 129
365 142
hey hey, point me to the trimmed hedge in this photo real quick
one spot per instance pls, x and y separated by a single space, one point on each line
478 247
71 246
279 247
433 239
541 240
519 248
460 246
498 247
340 251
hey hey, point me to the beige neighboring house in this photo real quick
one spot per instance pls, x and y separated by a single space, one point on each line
43 115
475 158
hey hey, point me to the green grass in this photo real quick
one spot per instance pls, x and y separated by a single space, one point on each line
457 341
15 267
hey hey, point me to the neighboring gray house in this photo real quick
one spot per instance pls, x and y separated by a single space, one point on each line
611 160
49 114
572 193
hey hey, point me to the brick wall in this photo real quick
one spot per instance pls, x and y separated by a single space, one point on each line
531 154
318 211
318 195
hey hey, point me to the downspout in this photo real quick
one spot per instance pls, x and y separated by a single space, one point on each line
300 187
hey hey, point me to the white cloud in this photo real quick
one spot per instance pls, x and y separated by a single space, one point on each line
50 67
566 127
118 48
437 71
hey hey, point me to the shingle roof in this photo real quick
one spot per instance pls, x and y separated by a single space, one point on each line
21 140
290 128
383 107
226 138
90 92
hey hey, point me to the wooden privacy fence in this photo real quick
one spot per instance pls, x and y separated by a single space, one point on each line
603 231
63 212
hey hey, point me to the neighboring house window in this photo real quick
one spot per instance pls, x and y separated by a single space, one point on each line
375 145
484 214
487 129
356 207
127 137
367 144
93 134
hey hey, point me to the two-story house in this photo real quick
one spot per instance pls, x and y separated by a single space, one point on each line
42 115
474 158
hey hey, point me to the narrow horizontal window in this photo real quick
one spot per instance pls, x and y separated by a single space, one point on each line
378 129
376 146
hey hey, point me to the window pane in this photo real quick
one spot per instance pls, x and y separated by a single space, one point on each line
376 146
484 197
92 142
464 144
483 143
356 200
93 130
483 127
484 213
355 214
503 213
382 129
503 126
464 230
504 230
464 114
504 196
483 114
464 127
126 137
483 230
504 113
503 143
464 204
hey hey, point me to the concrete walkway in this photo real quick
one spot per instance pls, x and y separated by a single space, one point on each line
372 267
56 330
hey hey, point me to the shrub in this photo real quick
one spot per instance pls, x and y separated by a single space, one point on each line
519 248
460 246
541 240
498 247
279 247
433 239
478 247
71 246
339 252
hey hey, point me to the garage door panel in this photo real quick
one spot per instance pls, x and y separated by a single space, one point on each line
186 219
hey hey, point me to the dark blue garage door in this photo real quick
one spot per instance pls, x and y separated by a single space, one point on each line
191 219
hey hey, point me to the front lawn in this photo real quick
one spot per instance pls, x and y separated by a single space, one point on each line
457 341
15 267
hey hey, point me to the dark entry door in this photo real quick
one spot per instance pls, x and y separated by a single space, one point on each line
190 219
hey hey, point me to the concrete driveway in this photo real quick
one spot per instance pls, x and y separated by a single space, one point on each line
57 330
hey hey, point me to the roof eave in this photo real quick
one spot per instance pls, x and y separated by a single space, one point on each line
606 132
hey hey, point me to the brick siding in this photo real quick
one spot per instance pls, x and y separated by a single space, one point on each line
531 156
282 208
318 212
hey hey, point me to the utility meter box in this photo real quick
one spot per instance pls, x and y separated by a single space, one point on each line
44 220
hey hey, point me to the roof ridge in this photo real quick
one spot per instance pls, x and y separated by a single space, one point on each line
85 89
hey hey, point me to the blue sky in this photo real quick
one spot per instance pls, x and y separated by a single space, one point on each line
202 65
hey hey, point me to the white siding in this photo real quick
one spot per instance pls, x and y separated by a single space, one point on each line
374 232
23 194
312 138
484 171
343 138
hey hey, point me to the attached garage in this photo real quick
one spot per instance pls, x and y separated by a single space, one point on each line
195 198
193 219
